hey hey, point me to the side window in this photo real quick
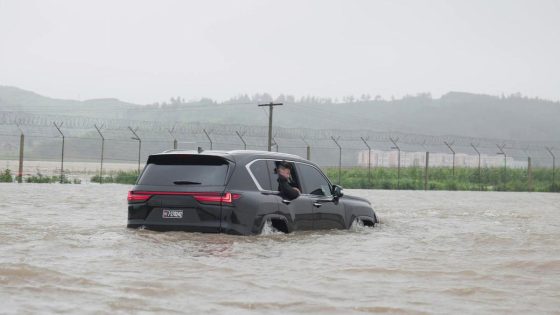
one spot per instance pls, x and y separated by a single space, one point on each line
314 183
259 169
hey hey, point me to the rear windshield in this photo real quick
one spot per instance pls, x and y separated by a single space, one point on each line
175 170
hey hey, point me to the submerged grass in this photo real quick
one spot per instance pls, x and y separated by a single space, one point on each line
7 177
411 178
440 178
119 177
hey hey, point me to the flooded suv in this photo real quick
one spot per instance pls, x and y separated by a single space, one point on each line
236 192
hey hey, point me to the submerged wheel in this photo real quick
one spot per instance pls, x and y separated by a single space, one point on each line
361 223
274 226
358 223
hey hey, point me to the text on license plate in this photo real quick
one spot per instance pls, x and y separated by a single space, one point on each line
172 214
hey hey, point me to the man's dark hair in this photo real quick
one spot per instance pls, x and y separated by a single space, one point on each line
284 164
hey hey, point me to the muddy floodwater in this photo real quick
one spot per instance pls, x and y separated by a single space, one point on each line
65 249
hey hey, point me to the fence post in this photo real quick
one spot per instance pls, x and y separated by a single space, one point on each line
308 149
369 159
242 140
553 168
209 139
171 133
137 138
453 151
502 152
62 155
102 152
479 170
394 141
426 170
529 174
339 158
21 146
275 144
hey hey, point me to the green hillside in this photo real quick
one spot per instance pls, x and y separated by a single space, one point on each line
455 113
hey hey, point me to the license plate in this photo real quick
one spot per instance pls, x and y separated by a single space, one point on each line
172 214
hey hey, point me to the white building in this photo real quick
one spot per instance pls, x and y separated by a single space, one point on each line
408 159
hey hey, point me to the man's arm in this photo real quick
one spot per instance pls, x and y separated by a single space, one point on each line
287 191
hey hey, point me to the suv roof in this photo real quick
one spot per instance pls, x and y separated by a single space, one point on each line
235 154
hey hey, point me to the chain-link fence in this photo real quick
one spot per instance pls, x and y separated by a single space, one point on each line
77 151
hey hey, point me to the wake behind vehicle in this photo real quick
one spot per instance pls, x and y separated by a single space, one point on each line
236 192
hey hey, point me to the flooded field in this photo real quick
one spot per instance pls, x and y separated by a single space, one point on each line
65 249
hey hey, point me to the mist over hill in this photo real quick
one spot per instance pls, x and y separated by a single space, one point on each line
456 113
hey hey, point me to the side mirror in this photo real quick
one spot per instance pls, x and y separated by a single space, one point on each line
337 191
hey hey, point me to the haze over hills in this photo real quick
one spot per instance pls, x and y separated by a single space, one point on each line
455 113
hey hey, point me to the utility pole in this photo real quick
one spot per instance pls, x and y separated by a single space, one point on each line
62 156
453 151
368 160
394 141
270 109
102 152
553 167
479 171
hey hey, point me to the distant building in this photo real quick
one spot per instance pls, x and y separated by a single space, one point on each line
409 159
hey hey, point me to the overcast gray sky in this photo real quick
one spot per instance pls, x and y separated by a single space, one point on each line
147 51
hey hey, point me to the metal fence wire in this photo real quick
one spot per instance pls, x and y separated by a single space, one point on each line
82 148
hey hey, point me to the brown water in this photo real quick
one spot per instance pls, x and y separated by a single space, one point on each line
65 249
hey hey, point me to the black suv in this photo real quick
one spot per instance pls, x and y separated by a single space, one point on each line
236 192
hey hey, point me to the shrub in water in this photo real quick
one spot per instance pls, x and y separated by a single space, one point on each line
6 176
39 178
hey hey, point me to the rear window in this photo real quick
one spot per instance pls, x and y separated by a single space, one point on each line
259 169
175 170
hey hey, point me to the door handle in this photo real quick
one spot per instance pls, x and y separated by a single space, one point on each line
317 204
286 202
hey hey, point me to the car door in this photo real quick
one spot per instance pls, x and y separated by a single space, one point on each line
300 210
328 212
267 202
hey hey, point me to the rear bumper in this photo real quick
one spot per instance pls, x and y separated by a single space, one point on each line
189 217
206 227
163 226
195 228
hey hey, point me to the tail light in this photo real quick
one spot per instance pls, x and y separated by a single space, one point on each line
202 197
226 198
134 196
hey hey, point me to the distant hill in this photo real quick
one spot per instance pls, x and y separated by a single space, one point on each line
455 113
15 99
